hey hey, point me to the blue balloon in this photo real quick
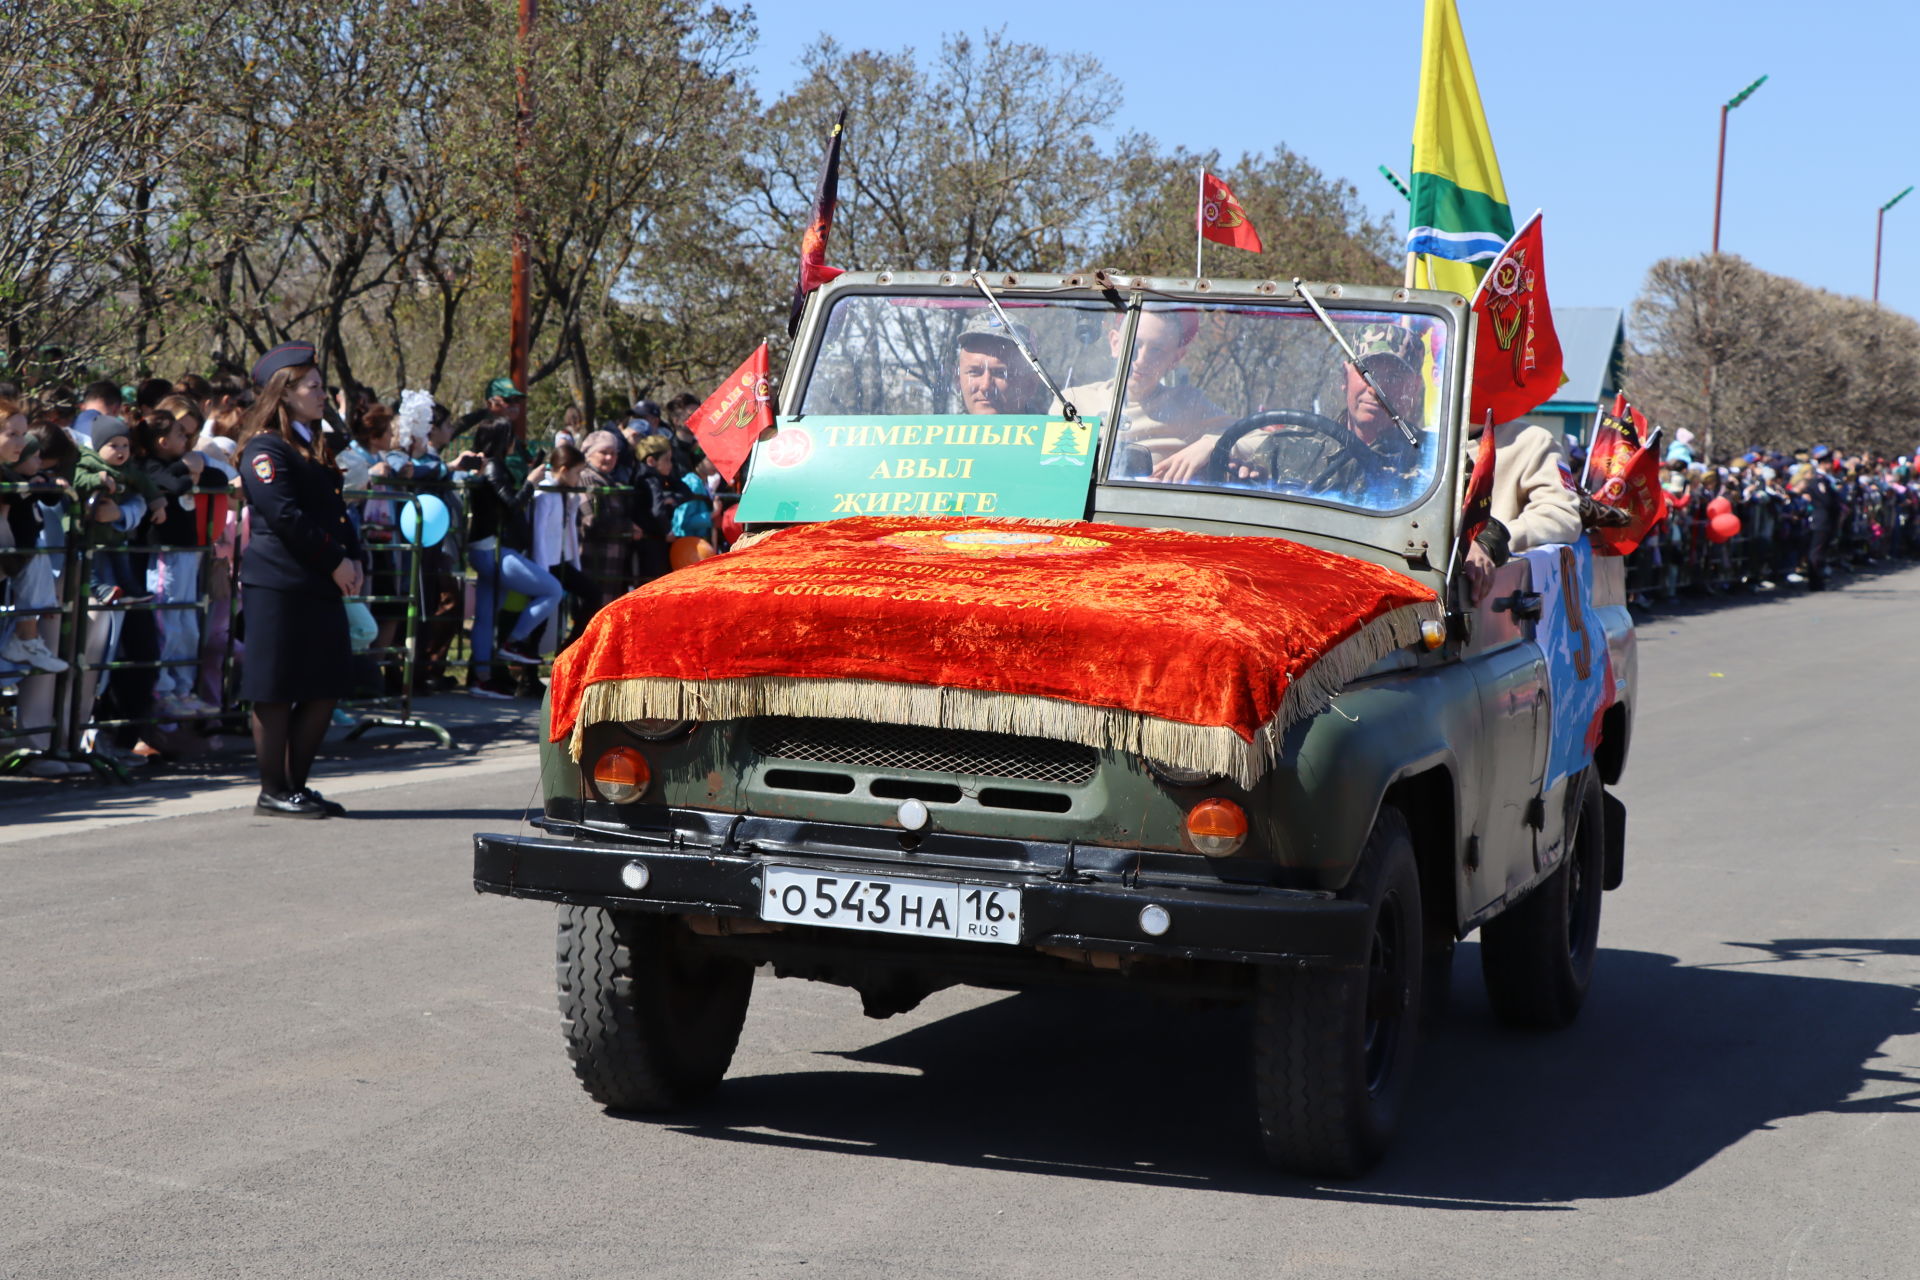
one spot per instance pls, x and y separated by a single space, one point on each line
424 520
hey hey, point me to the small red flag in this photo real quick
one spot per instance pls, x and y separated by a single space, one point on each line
1477 508
1625 473
1517 361
814 270
732 418
1222 220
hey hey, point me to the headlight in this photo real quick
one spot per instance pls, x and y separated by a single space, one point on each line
621 775
659 730
1177 777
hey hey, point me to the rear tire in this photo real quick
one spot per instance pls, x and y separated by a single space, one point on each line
1537 958
651 1018
1333 1051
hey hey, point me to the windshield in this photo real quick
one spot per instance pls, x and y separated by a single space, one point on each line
1262 399
899 354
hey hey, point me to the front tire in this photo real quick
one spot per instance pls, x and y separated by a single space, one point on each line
1537 958
1333 1051
651 1018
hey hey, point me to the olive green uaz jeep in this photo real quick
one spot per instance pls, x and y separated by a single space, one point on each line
1426 803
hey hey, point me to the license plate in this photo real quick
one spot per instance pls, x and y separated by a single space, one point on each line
891 904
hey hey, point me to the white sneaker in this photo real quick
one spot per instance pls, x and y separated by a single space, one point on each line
518 655
40 656
15 651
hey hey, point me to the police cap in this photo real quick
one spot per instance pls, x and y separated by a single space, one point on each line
285 356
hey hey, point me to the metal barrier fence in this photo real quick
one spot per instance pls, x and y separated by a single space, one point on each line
1777 538
436 606
107 617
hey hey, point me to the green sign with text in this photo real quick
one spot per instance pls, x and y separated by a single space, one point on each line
819 468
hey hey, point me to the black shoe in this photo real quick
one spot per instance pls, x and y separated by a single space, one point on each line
333 808
299 804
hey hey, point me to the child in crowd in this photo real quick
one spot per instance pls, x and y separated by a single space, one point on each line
173 566
116 496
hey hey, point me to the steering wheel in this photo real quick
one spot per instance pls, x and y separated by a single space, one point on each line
1299 419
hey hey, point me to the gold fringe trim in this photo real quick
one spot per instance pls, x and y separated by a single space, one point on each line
1211 748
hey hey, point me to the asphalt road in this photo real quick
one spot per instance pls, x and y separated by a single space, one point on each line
232 1046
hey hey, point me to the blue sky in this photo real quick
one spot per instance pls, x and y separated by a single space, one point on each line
1605 115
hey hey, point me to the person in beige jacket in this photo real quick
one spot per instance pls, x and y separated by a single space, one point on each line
1532 505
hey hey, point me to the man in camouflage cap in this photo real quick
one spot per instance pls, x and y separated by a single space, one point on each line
1368 460
990 373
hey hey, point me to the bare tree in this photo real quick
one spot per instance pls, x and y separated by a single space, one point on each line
1747 359
988 157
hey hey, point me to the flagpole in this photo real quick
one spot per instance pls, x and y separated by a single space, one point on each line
1592 438
1453 557
1199 221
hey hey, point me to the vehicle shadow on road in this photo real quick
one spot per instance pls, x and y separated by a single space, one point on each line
1668 1066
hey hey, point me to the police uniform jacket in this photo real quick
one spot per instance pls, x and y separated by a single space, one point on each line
299 527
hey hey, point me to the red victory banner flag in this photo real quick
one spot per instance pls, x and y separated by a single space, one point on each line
732 418
1477 507
1221 219
814 270
1517 361
1625 473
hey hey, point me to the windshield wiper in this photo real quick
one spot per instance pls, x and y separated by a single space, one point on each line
1066 406
1353 363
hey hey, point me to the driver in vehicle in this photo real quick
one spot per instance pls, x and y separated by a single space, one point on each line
1360 457
1158 417
1368 463
990 373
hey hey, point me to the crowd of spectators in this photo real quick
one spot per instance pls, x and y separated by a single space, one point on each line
1804 516
135 489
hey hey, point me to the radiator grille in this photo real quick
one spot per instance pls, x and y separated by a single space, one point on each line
893 746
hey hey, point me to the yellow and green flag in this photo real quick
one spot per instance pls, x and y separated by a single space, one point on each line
1460 220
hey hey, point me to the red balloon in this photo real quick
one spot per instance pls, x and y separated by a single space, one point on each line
730 525
1719 507
1723 527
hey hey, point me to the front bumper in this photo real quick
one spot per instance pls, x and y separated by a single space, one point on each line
1073 898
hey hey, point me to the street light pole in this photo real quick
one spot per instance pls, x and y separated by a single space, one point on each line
1879 232
1720 171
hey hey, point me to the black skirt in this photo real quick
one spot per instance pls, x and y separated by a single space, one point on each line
297 646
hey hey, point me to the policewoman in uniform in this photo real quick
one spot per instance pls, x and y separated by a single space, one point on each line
301 560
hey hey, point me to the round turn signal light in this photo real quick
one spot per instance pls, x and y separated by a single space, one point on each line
1217 827
621 775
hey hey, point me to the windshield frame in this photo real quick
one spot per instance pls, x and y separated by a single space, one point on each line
1291 304
1409 541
